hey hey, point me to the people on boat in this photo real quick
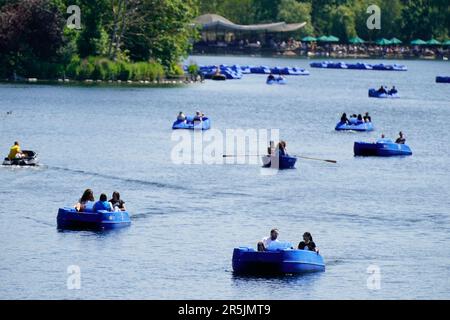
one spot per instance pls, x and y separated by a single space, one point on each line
307 243
401 138
393 91
199 116
86 202
117 203
271 148
15 152
367 117
360 119
265 242
271 77
382 90
103 204
281 148
181 117
344 119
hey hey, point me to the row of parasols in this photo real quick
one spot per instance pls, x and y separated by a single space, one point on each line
381 42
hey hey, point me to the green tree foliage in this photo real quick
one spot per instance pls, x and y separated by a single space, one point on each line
31 36
292 11
405 19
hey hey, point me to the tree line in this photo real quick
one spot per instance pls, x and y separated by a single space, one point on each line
118 39
404 19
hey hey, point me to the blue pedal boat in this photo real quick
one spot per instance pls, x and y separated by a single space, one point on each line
70 219
277 262
285 162
276 81
381 148
441 79
373 93
190 124
360 127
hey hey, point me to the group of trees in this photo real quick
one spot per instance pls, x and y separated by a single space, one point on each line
406 19
115 35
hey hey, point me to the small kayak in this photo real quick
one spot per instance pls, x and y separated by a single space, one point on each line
30 160
276 81
281 261
70 219
375 94
285 162
381 148
442 79
361 127
190 124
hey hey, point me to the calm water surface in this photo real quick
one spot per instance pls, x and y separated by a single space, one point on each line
392 213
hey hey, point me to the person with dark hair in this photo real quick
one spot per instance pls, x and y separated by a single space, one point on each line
281 148
86 201
360 119
367 117
103 204
265 243
344 119
307 243
271 77
116 202
15 152
393 90
401 139
382 90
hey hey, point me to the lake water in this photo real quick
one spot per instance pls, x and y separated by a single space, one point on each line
392 214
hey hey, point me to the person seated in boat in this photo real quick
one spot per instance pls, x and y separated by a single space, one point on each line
281 148
103 204
401 138
181 117
15 152
382 90
271 77
393 91
117 203
86 202
367 117
307 243
264 244
344 119
271 148
198 116
359 119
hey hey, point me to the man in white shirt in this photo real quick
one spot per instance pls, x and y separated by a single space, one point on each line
264 244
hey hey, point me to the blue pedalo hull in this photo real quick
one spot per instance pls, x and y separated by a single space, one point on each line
189 124
440 79
286 261
382 148
70 219
375 94
361 127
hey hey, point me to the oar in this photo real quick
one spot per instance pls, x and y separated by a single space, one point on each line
307 158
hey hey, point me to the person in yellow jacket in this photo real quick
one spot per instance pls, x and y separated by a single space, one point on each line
15 151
